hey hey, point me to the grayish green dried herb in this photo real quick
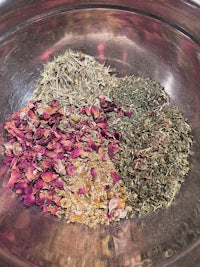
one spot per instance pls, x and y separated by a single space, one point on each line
155 145
74 79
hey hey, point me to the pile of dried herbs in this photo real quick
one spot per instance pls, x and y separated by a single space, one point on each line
94 148
155 145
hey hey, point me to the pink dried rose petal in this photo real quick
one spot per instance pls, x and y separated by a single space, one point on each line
23 164
39 133
46 115
110 216
103 101
44 208
59 166
112 149
7 160
39 184
31 173
49 176
19 133
19 191
103 157
50 110
102 125
75 153
88 111
13 178
115 176
117 135
93 172
105 133
29 200
53 210
46 163
50 154
32 115
93 145
120 111
81 191
95 112
128 113
58 184
28 190
21 185
40 150
67 144
71 169
14 163
56 199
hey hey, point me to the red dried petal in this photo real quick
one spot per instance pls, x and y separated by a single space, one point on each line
103 101
105 133
13 178
57 199
110 216
102 125
50 154
50 110
119 111
115 176
39 184
71 169
93 145
21 185
75 153
46 163
28 190
32 115
19 133
31 173
95 112
52 210
19 191
54 104
85 110
82 191
58 184
103 157
46 133
112 149
93 172
14 162
67 144
117 135
59 166
29 200
49 176
23 164
128 113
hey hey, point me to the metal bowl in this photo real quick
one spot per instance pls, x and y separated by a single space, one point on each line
156 39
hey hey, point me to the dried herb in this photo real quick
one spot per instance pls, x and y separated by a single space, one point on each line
63 163
155 145
74 79
94 148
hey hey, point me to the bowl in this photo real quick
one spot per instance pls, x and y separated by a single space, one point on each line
156 39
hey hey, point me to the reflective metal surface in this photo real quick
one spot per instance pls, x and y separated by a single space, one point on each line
159 39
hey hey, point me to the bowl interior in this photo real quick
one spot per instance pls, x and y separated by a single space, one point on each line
134 41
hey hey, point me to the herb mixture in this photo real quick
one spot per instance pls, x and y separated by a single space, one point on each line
93 148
